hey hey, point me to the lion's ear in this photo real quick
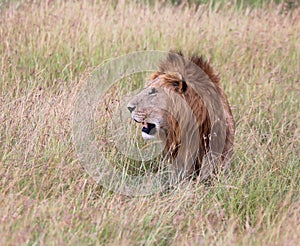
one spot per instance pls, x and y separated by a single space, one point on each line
180 83
180 86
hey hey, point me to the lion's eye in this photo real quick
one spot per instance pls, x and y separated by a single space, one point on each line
153 91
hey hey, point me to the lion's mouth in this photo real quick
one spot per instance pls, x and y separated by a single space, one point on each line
149 128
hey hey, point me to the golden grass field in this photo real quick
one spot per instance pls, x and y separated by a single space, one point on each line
48 48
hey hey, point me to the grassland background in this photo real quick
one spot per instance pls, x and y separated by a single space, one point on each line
47 48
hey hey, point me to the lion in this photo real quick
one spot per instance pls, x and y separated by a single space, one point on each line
184 105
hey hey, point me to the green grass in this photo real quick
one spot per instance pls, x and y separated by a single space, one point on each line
47 50
238 4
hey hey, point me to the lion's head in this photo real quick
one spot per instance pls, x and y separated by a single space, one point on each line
171 105
150 106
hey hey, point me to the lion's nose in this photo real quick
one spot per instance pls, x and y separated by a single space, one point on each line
131 108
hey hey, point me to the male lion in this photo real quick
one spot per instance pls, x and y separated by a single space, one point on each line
184 106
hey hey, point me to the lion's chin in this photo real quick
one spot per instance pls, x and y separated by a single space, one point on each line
147 136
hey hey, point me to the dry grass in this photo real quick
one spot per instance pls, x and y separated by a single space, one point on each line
45 195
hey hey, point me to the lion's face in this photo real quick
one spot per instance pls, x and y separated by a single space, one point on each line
150 106
147 108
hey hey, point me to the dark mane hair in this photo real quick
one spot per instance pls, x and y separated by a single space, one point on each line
176 62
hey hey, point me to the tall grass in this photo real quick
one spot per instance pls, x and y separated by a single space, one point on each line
48 48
